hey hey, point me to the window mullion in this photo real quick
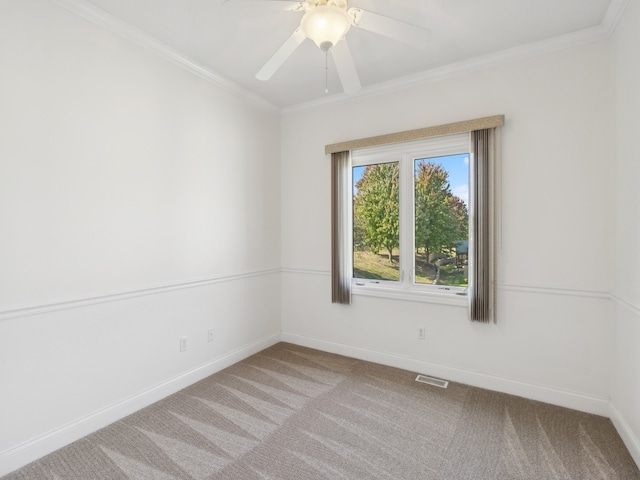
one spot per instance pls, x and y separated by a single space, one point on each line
406 221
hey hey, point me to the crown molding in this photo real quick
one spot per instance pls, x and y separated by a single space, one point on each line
581 37
613 15
522 52
124 30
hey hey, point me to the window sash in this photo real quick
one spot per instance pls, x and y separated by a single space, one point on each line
406 154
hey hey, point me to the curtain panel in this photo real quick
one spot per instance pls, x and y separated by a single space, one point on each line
481 229
340 228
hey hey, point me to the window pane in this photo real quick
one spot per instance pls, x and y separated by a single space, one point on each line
376 212
442 220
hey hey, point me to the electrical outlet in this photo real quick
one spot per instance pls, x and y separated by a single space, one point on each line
183 344
210 335
421 333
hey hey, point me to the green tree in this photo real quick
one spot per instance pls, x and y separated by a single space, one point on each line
376 208
461 216
441 217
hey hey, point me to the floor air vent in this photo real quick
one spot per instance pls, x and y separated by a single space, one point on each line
436 382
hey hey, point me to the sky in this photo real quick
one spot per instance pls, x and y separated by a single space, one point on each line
458 168
456 165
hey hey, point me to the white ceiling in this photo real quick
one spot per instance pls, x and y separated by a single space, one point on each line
234 39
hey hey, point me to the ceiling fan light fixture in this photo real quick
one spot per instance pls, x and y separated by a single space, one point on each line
326 25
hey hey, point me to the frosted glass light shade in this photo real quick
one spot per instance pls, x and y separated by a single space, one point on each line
325 25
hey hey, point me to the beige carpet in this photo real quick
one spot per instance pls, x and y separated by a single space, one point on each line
294 413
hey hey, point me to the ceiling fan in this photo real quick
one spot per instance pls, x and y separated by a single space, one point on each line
326 22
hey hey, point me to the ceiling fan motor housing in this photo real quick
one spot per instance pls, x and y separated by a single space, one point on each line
316 3
326 23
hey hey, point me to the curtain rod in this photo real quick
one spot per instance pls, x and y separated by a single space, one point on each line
418 134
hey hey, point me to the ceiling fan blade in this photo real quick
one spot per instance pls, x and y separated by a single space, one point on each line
390 27
278 58
345 66
286 5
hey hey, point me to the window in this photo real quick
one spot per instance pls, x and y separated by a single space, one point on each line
410 217
400 195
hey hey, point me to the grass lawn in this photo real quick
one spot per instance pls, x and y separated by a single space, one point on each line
378 267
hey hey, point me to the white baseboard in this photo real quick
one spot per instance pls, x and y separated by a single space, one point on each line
629 438
27 452
554 396
38 447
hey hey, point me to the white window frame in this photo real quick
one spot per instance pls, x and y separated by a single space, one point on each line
406 154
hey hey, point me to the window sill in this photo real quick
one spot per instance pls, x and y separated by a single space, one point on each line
410 295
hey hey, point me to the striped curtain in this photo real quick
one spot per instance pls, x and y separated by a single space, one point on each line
340 228
481 238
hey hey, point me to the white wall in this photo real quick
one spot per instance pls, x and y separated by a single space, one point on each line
554 336
626 293
138 204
